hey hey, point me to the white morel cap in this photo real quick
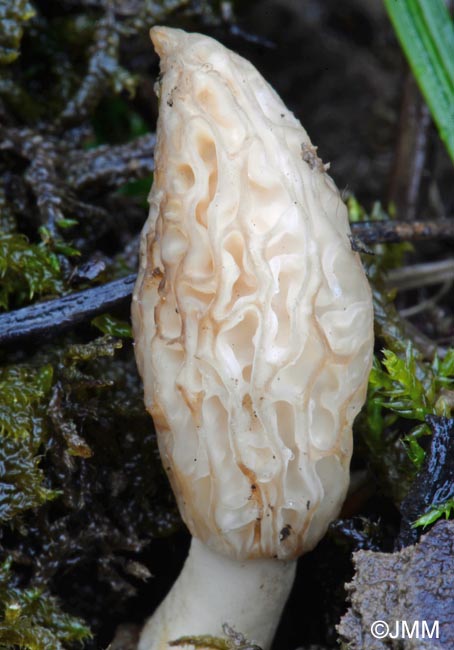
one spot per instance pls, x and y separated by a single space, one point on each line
252 314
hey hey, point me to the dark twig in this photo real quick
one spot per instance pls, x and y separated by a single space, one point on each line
41 175
112 166
103 71
393 232
52 317
46 319
103 168
83 210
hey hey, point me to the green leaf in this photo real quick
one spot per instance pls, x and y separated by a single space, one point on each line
446 366
59 245
440 27
426 33
434 513
415 452
67 223
65 249
356 211
112 326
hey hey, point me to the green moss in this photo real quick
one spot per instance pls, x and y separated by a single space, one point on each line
75 427
27 270
410 388
31 619
22 481
24 395
404 387
22 391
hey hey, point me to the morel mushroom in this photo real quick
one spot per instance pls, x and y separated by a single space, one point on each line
253 327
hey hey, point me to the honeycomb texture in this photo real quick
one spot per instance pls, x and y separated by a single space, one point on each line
252 315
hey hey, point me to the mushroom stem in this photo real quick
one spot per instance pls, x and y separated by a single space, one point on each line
212 590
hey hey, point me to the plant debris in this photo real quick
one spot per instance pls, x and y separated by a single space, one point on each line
233 640
412 586
431 494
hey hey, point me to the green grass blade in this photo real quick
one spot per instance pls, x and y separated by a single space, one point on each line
441 29
426 33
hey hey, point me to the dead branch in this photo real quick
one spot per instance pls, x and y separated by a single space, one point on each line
394 232
112 166
47 319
